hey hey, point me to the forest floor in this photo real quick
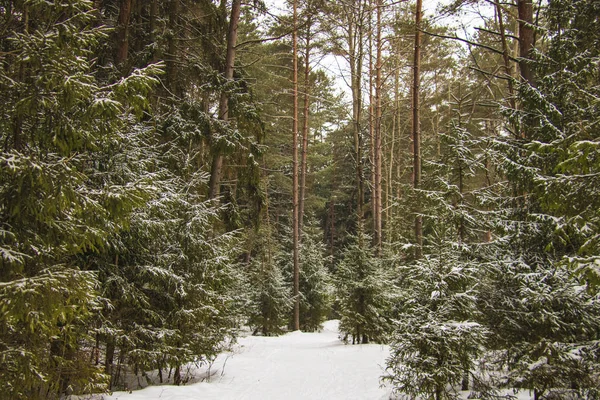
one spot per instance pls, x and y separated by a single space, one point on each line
293 366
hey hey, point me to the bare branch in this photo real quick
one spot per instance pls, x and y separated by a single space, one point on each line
497 33
470 42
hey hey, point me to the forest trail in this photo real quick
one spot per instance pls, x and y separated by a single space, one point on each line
293 366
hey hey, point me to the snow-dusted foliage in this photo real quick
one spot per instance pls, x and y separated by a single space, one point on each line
316 288
556 159
172 289
43 330
110 263
316 285
544 326
541 277
60 130
270 301
437 338
365 292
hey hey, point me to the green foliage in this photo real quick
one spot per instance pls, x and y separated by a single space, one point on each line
541 277
430 357
557 162
437 338
173 283
43 325
543 322
315 282
269 292
63 134
365 293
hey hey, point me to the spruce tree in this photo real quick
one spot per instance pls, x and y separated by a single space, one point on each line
61 132
270 298
364 290
316 289
437 339
542 277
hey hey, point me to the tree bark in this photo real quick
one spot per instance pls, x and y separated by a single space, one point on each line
378 125
390 173
355 58
505 55
416 128
123 32
171 56
296 246
305 126
372 129
152 27
217 163
526 37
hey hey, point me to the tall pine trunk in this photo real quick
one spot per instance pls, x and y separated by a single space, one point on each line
416 128
217 163
372 128
172 74
122 32
526 37
296 292
505 54
355 58
305 127
378 124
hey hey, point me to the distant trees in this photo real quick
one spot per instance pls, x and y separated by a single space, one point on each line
365 293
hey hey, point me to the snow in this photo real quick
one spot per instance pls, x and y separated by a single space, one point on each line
293 366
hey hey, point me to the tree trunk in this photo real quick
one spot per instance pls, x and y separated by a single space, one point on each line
217 163
465 380
123 32
171 56
355 58
378 125
152 27
372 129
177 375
390 173
526 36
296 246
305 126
505 55
416 128
110 356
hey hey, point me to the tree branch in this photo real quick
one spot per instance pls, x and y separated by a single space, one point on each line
496 33
270 39
468 42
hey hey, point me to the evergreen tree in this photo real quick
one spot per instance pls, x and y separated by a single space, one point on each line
543 311
270 301
315 282
174 291
437 339
62 133
438 336
364 290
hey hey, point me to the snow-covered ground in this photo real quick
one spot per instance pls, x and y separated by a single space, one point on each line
293 366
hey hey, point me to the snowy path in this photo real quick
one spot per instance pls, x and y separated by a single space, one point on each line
291 367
